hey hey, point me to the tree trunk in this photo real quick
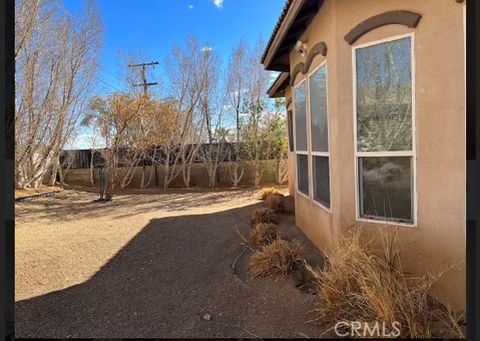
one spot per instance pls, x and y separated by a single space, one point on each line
92 170
53 176
235 173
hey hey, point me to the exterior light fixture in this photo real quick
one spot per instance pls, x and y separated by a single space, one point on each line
301 48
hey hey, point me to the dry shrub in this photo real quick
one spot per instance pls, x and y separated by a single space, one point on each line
265 192
263 215
262 234
277 258
367 285
275 202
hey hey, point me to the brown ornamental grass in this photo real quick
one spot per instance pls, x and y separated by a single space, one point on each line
277 258
365 284
263 215
265 192
275 202
262 234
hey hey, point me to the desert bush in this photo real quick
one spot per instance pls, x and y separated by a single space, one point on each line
265 192
263 215
277 258
367 285
262 234
275 202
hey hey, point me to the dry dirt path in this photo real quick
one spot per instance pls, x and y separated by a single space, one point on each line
146 266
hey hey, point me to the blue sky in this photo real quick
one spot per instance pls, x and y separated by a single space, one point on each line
151 27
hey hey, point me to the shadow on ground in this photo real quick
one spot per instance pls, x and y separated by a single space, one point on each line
165 280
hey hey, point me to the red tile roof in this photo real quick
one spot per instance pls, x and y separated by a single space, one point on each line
287 5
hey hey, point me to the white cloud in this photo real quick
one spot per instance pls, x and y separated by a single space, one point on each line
218 3
190 7
207 48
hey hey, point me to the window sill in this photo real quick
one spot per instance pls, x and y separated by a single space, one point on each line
303 195
329 210
387 222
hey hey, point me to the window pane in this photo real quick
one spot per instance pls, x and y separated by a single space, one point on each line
384 96
321 176
386 188
300 118
318 108
302 173
290 130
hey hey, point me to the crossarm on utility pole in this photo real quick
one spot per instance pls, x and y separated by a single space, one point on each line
145 84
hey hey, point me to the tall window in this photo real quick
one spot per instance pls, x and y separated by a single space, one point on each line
301 151
319 135
384 134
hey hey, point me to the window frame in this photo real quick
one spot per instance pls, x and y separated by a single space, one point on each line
313 153
409 153
290 130
295 151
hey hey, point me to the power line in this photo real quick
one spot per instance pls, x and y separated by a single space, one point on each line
113 87
116 76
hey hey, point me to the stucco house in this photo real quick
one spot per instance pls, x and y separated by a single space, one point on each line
375 94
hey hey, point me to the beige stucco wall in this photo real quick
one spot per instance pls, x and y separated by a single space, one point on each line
438 239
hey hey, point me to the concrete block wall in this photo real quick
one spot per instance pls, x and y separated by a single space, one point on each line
199 176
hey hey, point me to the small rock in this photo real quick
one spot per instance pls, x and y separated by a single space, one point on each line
207 317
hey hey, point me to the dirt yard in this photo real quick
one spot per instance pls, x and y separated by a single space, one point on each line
150 265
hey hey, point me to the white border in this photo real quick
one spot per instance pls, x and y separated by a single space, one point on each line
313 153
295 151
411 153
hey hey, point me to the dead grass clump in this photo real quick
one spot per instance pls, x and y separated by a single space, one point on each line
265 192
277 258
367 285
275 202
263 215
262 234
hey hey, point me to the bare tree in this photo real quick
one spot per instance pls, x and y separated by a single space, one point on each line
187 83
237 75
56 60
256 147
211 107
277 140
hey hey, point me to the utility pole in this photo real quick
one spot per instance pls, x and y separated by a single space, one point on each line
145 92
145 84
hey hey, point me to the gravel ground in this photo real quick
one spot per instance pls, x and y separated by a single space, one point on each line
151 265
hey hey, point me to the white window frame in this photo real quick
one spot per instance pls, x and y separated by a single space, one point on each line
290 119
411 153
295 151
314 153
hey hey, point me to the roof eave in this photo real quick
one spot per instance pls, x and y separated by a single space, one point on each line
293 9
277 89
